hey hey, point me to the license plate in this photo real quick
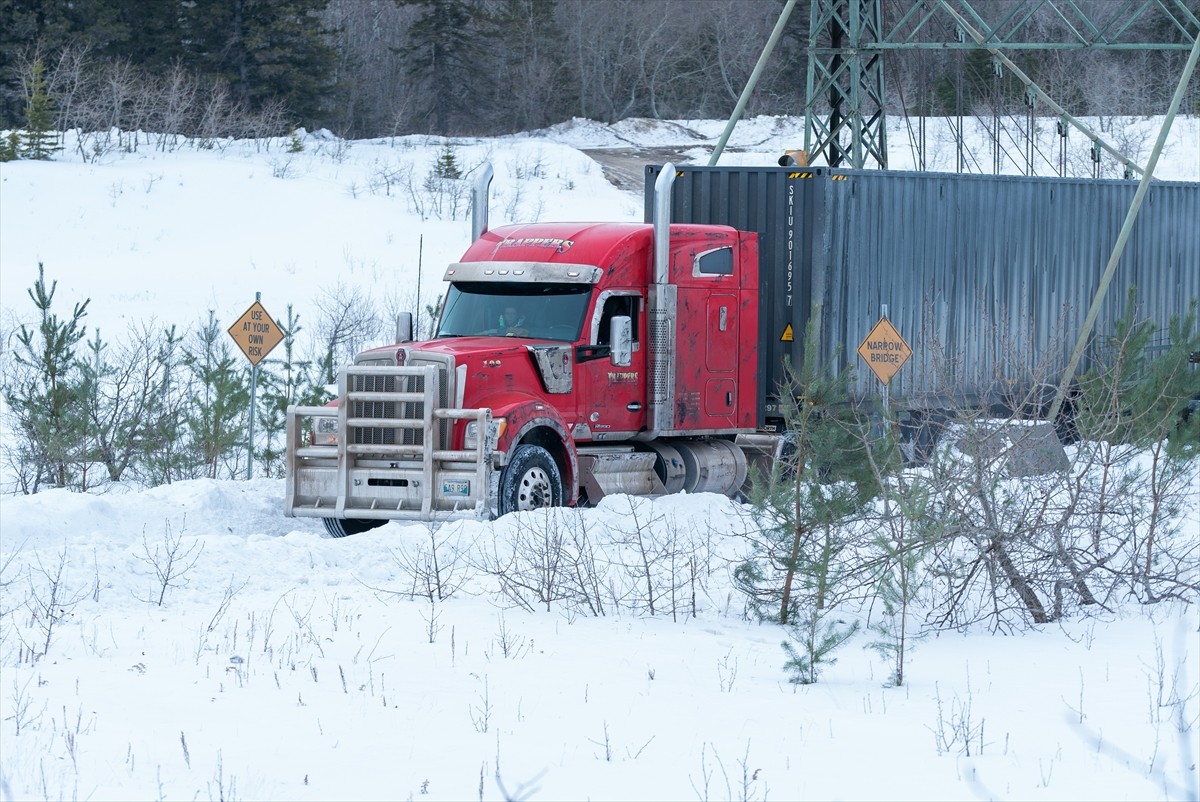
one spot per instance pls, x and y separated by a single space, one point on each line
456 488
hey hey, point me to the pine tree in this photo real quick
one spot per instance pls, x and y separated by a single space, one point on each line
165 457
10 146
267 51
901 542
1143 394
39 140
285 382
148 33
444 52
807 508
1145 384
216 419
46 399
532 85
427 321
446 166
51 25
446 192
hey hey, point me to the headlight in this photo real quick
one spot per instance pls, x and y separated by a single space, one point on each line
495 429
325 432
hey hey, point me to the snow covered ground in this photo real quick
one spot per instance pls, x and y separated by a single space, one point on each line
282 664
200 645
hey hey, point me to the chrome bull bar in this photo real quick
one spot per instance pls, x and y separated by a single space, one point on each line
390 460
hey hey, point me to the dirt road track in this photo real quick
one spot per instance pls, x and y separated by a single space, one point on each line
625 168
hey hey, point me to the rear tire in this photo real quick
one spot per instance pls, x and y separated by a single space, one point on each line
344 527
531 481
921 431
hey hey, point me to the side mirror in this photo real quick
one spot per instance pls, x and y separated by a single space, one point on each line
621 338
404 327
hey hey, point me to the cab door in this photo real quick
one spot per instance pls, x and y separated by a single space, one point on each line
610 398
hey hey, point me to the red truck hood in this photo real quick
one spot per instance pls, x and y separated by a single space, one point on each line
464 348
494 365
500 372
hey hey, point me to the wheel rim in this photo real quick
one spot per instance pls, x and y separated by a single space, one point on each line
535 490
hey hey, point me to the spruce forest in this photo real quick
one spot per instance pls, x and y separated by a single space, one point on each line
368 68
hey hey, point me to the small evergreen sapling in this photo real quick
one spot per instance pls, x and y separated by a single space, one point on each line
39 141
284 382
10 146
901 544
216 419
445 192
446 166
807 509
47 396
164 457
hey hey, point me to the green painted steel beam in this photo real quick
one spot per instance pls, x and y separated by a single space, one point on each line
850 76
1086 30
848 42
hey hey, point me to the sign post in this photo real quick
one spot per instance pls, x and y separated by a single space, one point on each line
256 333
885 352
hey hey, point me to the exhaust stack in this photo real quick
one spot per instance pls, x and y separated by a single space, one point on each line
660 404
479 202
662 222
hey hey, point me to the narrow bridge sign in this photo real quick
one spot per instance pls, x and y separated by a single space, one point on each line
884 350
256 333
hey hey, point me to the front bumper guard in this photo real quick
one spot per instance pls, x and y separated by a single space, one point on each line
388 480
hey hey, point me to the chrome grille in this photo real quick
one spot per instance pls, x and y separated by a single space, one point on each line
408 410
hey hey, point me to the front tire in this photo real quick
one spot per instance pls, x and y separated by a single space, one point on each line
344 527
531 481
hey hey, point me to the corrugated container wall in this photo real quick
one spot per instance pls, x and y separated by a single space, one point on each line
988 278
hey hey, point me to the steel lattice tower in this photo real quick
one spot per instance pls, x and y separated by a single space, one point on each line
845 111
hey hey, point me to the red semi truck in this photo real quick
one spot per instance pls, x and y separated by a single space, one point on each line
575 360
571 360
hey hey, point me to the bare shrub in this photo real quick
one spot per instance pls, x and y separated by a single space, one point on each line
438 567
586 569
347 319
387 177
984 568
956 730
170 560
528 564
648 553
50 601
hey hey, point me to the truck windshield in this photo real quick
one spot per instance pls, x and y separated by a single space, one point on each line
536 311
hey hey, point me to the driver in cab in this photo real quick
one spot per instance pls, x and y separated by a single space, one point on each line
512 323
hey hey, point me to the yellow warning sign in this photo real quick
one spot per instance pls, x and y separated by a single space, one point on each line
787 334
256 333
884 350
